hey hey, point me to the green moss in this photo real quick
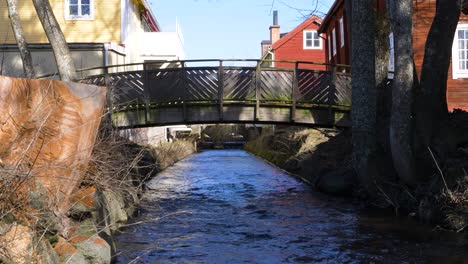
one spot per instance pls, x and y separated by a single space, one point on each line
54 240
36 200
9 219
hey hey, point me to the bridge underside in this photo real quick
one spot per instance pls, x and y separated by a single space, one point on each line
206 113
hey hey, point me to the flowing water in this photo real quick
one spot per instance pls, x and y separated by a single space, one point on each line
227 206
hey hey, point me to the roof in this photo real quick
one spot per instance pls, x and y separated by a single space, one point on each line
154 22
145 10
296 31
465 7
328 18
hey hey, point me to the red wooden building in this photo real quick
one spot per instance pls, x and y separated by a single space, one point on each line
303 43
337 45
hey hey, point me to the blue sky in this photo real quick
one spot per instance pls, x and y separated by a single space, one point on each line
229 29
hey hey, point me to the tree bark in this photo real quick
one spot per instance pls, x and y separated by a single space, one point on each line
364 94
65 65
20 39
349 12
401 121
384 93
431 104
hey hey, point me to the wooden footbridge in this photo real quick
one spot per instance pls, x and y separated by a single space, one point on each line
221 91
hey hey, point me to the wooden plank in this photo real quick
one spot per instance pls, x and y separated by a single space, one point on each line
295 91
202 84
313 86
275 86
331 99
238 84
220 89
258 75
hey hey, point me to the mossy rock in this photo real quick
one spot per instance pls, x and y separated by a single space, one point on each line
95 249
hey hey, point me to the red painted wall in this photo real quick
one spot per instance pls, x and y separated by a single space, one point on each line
424 11
290 47
342 55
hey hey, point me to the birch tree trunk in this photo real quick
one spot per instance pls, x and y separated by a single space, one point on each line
364 94
65 65
401 121
20 39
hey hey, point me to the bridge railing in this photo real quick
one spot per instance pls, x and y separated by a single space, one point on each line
293 83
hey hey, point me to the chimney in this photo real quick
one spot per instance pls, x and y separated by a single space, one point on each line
274 29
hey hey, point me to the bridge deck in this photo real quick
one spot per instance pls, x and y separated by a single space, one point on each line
177 92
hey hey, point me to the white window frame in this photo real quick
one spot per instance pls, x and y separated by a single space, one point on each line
334 41
457 73
68 16
329 48
342 40
313 40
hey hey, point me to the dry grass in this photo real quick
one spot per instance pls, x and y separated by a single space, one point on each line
281 147
168 153
11 180
454 205
117 163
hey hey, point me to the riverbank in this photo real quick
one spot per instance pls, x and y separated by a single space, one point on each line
322 157
107 197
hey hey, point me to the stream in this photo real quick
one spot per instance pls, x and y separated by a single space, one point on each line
228 206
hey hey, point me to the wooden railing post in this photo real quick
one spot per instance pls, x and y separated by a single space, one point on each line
185 91
331 95
258 75
220 88
110 93
146 90
295 91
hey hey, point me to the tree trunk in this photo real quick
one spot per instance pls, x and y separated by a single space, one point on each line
349 12
401 123
65 65
382 55
431 102
364 95
20 40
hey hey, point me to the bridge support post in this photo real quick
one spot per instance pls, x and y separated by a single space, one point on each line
110 94
331 97
258 76
147 92
185 92
221 89
294 95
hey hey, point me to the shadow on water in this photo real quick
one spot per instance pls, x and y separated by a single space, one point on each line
227 206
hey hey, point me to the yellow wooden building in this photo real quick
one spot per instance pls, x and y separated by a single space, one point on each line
99 33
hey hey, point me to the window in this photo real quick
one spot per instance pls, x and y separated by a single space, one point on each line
312 40
79 9
342 32
329 48
334 41
460 52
